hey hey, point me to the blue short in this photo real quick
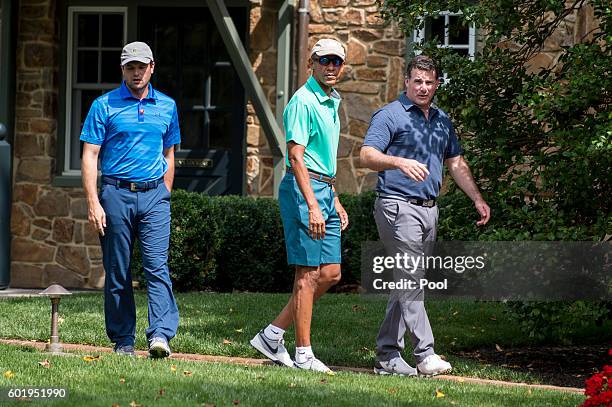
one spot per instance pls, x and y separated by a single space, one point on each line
302 250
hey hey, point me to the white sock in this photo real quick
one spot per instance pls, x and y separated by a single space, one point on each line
274 332
302 353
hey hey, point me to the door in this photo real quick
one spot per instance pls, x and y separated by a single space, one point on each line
193 67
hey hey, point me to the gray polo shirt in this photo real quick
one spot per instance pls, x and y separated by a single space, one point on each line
401 129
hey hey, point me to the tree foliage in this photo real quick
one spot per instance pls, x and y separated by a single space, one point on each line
537 140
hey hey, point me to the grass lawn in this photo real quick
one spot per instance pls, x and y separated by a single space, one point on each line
116 380
343 333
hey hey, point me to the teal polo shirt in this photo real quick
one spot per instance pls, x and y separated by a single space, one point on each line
132 133
311 120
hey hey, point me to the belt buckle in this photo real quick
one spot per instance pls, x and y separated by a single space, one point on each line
133 187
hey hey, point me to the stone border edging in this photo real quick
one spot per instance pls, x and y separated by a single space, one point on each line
265 362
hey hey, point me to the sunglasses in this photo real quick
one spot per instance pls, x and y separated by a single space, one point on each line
325 61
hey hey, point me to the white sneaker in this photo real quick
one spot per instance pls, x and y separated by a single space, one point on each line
314 364
395 366
273 349
158 348
433 365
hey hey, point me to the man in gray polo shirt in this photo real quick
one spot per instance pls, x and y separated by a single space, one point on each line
408 143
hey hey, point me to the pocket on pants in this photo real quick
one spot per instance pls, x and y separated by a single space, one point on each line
387 210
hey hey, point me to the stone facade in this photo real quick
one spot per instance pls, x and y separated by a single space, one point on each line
372 78
52 241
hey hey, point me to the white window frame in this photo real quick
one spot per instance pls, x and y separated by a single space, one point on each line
71 46
419 37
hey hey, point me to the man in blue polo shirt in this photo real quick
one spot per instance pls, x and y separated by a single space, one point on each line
310 209
408 143
133 130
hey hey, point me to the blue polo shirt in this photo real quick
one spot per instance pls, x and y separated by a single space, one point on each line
311 120
401 129
133 133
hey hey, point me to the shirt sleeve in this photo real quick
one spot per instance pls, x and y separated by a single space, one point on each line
297 123
94 127
173 135
381 131
453 148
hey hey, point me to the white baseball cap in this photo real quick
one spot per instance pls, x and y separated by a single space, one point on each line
328 46
136 51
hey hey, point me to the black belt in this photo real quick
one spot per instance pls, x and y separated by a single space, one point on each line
132 186
426 203
317 176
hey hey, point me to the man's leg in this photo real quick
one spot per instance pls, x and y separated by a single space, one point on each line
402 229
329 275
117 243
154 236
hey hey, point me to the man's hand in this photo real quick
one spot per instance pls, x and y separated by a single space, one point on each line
316 223
413 169
344 220
96 216
484 211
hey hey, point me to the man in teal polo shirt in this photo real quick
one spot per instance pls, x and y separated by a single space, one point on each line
311 211
133 130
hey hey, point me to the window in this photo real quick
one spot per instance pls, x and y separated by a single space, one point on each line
448 31
96 36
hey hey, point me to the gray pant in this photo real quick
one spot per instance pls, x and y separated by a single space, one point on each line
403 227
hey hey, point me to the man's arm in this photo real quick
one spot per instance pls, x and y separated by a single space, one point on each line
316 223
169 175
460 171
89 171
378 161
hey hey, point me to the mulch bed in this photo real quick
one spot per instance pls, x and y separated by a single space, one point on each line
555 365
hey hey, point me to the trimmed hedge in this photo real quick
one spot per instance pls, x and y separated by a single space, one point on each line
232 243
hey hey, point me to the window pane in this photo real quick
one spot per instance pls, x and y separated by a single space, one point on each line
87 67
110 66
462 51
222 86
192 129
458 33
82 103
195 43
220 130
437 29
88 30
112 30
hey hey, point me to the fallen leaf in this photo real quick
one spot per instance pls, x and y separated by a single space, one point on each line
173 368
115 405
439 394
356 308
134 404
45 363
291 384
499 349
208 405
91 358
364 349
160 393
322 381
231 310
122 380
330 373
238 330
493 318
187 373
455 313
461 380
60 320
236 402
392 390
227 342
529 391
9 374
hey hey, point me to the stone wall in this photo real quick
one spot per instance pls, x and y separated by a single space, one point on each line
372 78
52 241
